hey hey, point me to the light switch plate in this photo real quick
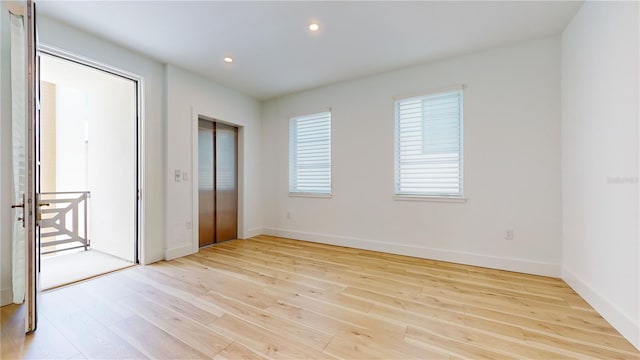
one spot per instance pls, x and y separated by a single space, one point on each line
185 176
178 175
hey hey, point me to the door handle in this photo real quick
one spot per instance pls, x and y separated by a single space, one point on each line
15 206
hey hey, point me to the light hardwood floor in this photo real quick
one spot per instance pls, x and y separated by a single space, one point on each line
273 298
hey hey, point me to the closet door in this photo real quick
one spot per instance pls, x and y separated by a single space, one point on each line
226 171
206 188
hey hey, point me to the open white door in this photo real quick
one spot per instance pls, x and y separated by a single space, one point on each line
25 146
32 235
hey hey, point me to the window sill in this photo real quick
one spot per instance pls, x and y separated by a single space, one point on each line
311 195
442 199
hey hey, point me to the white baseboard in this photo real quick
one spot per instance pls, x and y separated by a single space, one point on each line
628 327
183 249
6 296
252 232
186 248
494 262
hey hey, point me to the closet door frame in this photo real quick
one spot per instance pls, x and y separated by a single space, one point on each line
196 115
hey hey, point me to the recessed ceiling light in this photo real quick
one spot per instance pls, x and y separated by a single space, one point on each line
314 27
228 59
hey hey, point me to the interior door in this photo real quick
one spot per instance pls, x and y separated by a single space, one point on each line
206 184
25 145
33 171
217 182
226 154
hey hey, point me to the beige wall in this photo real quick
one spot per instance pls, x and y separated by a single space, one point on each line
48 137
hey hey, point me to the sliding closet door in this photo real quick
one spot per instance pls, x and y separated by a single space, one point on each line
206 189
226 154
217 182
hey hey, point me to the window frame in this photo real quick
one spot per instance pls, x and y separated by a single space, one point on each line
430 196
295 192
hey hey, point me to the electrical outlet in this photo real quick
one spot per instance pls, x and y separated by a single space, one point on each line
188 225
508 234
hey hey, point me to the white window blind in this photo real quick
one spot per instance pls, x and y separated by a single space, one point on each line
428 146
310 154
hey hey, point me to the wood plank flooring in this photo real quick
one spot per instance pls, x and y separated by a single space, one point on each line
274 298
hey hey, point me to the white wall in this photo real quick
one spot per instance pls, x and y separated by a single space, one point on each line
601 254
512 163
71 113
170 94
188 93
112 166
55 34
6 294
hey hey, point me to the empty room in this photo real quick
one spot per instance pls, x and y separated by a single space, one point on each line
320 179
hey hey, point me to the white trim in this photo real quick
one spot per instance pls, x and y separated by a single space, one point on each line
6 296
196 114
140 138
397 144
241 151
310 195
183 249
461 257
628 327
293 123
142 242
320 110
251 233
418 94
195 221
54 51
455 200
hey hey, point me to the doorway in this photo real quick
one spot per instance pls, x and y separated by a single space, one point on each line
217 182
88 170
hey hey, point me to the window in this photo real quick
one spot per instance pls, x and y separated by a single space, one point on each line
428 145
310 154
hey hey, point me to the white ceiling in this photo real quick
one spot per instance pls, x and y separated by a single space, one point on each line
274 52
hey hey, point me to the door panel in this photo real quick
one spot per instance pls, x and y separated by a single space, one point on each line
26 153
226 182
206 190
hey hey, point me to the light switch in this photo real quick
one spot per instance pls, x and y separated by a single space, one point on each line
185 176
178 175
